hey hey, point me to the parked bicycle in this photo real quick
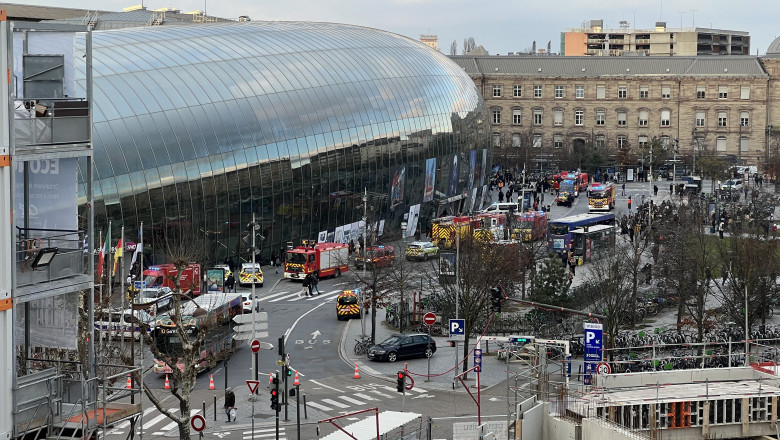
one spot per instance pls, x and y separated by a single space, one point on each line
362 346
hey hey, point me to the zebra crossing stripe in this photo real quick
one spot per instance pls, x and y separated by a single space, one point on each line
126 423
365 396
379 393
324 296
334 403
351 400
273 296
318 406
261 430
173 425
293 295
154 421
415 389
266 435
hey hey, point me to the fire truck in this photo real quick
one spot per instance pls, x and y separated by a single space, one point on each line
161 276
490 227
533 226
444 230
322 259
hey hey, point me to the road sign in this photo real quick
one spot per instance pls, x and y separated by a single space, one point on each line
255 346
252 384
429 319
138 285
458 329
477 359
593 343
198 423
246 318
247 328
603 368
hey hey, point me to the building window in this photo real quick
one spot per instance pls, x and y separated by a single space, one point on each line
497 140
700 119
743 144
517 91
622 92
579 91
644 92
600 141
537 116
557 117
559 91
601 117
558 141
496 90
720 143
537 91
516 140
666 92
744 119
643 116
496 116
642 141
621 117
579 117
722 119
666 118
744 92
517 116
701 92
621 141
723 92
537 141
601 92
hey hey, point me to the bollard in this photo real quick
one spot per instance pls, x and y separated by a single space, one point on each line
305 413
215 407
204 407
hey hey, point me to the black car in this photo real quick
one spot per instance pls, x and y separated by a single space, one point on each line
400 346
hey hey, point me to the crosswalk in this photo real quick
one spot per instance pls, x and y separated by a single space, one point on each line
295 296
151 419
262 433
368 396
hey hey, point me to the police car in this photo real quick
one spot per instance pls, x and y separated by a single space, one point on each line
250 274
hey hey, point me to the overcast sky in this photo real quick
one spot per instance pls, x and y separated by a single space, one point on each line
502 26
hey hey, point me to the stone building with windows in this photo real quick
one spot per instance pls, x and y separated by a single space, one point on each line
548 106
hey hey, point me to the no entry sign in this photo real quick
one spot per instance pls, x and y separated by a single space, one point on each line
429 319
255 345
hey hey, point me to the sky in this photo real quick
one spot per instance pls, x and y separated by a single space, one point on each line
500 27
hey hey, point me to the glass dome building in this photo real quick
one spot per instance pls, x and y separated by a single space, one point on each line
204 125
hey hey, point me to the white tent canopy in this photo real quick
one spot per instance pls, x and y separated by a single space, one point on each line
366 428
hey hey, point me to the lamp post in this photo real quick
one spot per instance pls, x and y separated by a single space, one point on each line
674 161
695 145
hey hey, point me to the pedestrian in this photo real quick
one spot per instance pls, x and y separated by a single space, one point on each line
230 283
629 203
500 196
304 288
655 190
278 264
509 195
624 189
572 263
309 283
313 282
720 229
671 190
230 405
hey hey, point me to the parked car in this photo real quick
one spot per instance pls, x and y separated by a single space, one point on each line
375 257
118 323
403 346
502 207
565 199
246 301
250 274
421 250
158 299
732 185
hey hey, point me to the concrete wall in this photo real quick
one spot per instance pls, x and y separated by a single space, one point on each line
680 376
598 429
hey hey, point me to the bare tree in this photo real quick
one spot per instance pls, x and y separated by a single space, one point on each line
454 47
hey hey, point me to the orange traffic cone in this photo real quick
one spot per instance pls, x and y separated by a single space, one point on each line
167 384
211 382
129 382
357 373
270 378
297 382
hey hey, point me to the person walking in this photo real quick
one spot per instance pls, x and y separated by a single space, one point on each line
230 283
655 190
624 189
313 282
500 196
671 190
305 291
509 195
629 203
230 404
310 282
720 229
278 263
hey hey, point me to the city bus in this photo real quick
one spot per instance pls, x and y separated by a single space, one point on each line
213 313
601 197
560 232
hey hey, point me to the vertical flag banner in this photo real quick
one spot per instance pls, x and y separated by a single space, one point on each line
103 251
117 255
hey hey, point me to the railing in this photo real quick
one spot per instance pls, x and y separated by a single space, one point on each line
51 122
31 243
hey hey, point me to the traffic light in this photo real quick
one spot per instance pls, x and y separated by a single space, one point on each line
495 298
288 371
275 400
400 381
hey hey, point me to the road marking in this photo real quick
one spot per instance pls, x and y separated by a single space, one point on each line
325 297
334 403
318 406
126 423
267 435
149 423
172 425
326 386
379 393
365 396
257 430
290 297
289 330
351 400
273 296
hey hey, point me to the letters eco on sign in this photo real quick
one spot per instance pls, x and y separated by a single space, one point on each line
593 347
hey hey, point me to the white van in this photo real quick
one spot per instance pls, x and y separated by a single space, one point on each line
502 207
119 323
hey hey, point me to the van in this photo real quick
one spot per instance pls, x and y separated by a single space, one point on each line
502 207
375 257
347 305
118 323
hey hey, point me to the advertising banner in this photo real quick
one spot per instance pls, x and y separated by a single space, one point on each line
397 183
593 346
414 217
447 264
453 187
472 167
430 179
52 190
216 279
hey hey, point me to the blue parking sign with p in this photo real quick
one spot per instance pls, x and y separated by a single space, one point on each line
593 347
458 329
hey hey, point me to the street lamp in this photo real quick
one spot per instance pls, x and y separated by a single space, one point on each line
695 145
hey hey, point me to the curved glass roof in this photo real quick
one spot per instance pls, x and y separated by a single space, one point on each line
175 106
